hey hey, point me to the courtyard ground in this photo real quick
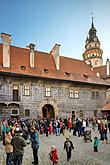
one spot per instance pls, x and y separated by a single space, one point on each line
82 154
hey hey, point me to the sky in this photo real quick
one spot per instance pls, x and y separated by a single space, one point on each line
49 22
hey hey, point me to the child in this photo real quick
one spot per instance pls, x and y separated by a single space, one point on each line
68 145
96 144
54 155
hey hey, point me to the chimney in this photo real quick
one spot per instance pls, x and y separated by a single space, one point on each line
6 40
107 67
55 53
32 56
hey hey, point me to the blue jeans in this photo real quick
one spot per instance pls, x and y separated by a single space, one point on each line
79 131
57 131
9 158
17 159
105 135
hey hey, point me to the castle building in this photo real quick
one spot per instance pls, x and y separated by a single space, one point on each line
36 84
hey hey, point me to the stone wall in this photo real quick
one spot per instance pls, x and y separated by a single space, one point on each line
63 105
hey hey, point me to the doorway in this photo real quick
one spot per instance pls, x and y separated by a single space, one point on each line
15 92
48 111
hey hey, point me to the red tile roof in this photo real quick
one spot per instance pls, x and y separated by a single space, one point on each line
106 107
101 70
70 69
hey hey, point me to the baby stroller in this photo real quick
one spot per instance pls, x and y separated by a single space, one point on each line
87 135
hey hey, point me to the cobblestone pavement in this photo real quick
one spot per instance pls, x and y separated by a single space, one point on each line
82 154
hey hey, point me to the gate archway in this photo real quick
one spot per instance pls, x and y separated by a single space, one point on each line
48 111
50 103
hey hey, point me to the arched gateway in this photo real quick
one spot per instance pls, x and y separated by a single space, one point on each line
48 109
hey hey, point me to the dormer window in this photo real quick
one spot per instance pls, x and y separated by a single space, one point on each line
85 76
23 67
46 70
67 74
98 74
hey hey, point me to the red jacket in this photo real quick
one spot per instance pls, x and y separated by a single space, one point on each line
69 123
54 155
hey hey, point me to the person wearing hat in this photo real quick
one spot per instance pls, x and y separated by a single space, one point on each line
54 155
68 145
18 143
34 137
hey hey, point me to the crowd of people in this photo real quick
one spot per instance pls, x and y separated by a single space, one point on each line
14 134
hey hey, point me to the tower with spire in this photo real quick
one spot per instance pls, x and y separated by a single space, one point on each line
93 54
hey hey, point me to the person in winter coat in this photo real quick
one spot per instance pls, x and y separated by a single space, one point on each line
8 148
68 145
18 143
96 144
105 131
79 127
3 132
70 124
63 129
50 128
34 137
54 155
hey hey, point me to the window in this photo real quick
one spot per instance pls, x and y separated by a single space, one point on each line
85 76
71 93
14 112
23 68
76 94
15 93
95 95
27 112
98 74
46 70
26 90
47 91
15 87
67 74
84 94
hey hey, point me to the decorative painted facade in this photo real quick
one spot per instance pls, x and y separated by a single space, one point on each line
35 84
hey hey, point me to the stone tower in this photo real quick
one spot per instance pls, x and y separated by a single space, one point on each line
93 54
